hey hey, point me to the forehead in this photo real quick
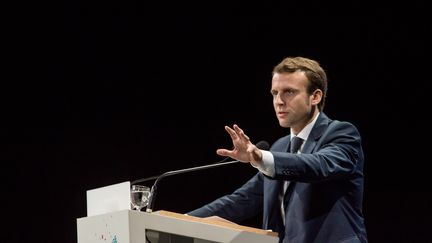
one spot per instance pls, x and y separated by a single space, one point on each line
296 80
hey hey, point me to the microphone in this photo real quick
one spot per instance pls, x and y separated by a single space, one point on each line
261 145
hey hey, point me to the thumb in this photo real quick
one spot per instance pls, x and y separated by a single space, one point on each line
223 152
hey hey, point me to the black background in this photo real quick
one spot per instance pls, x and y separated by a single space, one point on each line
111 91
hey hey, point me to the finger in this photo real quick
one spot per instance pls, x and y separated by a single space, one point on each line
224 152
231 132
240 132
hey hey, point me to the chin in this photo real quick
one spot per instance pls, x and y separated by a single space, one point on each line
284 124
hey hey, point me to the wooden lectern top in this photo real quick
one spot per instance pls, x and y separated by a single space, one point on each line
230 225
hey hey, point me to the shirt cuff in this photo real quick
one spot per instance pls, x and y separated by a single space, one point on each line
267 166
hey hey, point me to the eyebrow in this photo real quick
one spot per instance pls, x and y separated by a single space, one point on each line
272 91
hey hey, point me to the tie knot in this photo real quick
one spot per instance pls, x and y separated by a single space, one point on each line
296 143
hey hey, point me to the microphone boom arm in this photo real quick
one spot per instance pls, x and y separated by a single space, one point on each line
175 172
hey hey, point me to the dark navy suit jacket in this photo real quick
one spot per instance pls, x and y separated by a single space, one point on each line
325 193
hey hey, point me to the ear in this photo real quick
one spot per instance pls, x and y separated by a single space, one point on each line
316 97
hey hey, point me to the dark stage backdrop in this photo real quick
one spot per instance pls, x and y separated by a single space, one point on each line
111 91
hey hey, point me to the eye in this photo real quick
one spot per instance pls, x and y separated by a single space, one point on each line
289 92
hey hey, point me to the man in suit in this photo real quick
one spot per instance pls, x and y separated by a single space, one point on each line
311 193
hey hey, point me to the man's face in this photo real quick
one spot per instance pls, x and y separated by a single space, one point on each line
292 104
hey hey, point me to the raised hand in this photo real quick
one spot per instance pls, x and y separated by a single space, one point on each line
244 150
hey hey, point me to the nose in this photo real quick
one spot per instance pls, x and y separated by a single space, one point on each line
278 100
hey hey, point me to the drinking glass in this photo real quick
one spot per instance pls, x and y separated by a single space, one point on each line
139 196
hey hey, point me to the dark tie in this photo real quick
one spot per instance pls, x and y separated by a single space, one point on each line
295 145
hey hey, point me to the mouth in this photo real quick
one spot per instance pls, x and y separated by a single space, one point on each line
281 114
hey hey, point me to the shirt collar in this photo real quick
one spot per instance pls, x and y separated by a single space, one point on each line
304 133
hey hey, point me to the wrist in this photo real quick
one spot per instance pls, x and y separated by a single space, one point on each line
257 159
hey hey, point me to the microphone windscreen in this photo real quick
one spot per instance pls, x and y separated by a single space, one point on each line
264 145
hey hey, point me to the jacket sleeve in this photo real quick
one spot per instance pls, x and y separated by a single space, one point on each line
244 203
337 154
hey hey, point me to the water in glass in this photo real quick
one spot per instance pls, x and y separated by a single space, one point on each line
139 196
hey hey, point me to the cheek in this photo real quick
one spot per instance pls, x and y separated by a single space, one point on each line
301 103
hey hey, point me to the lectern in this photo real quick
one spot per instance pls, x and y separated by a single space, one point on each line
129 226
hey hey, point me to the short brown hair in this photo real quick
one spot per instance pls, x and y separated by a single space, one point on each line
314 72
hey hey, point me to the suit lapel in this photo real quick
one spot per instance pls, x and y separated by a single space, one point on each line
316 132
